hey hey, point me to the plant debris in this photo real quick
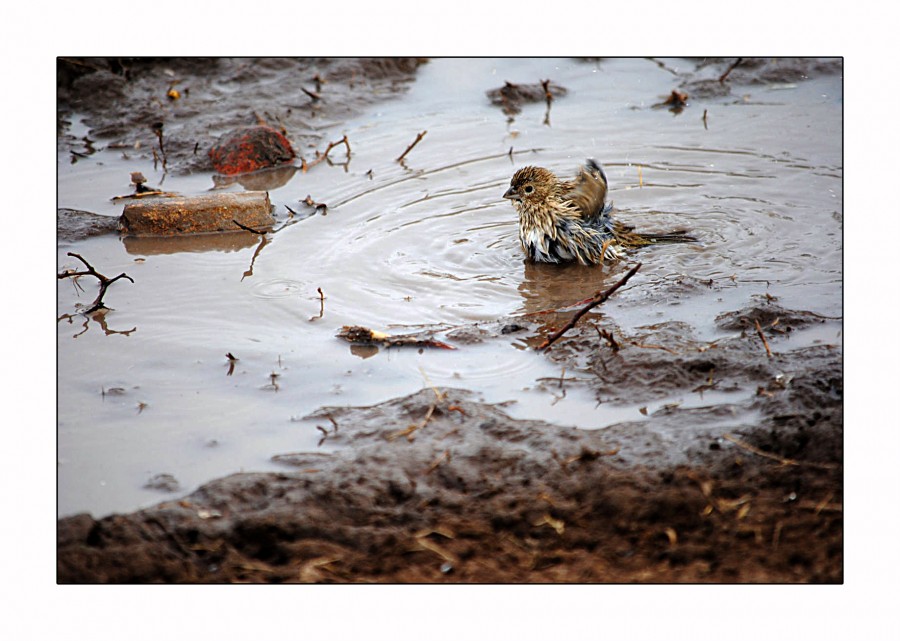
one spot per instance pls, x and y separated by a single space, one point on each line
510 97
105 282
365 336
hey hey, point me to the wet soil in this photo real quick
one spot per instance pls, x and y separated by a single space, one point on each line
439 486
126 100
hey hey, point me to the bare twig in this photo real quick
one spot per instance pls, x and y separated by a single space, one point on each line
609 338
649 346
414 143
104 281
596 300
321 308
730 69
410 431
250 229
312 94
304 166
763 338
157 128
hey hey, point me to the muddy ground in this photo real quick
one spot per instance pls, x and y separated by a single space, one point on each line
440 487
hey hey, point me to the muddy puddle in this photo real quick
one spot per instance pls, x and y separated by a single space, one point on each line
150 408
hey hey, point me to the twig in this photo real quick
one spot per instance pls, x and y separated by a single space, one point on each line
157 128
598 299
548 96
250 229
104 281
410 431
414 143
437 393
437 461
609 338
763 338
321 308
773 457
649 346
730 69
304 166
312 94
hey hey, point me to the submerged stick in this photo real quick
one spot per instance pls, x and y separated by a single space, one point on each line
596 300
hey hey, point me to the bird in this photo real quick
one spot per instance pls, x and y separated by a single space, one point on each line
570 220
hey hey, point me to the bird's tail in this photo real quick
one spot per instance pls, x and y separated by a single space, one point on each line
626 236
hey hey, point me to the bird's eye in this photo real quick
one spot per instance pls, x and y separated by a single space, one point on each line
528 189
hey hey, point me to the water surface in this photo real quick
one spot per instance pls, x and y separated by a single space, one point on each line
429 242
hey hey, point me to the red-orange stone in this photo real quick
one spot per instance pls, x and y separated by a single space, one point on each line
250 149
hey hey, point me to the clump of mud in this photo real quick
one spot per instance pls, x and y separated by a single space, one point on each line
511 96
714 77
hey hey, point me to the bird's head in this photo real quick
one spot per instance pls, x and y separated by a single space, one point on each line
531 185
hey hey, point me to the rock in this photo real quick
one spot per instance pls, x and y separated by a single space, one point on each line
193 214
250 149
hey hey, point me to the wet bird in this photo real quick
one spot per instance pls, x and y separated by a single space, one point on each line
570 220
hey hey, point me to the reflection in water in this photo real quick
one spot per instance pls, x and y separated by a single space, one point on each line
363 351
219 242
98 317
763 194
549 286
262 180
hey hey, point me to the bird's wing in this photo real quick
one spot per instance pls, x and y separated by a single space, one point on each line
587 193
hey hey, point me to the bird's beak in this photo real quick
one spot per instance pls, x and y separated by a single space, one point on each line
511 194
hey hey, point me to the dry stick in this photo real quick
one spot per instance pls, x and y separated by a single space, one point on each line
321 314
763 338
598 299
104 281
250 229
414 143
311 94
730 69
157 128
304 166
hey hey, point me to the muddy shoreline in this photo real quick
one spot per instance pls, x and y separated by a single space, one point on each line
439 486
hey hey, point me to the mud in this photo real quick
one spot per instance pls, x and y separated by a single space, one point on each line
439 487
741 483
477 497
126 100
